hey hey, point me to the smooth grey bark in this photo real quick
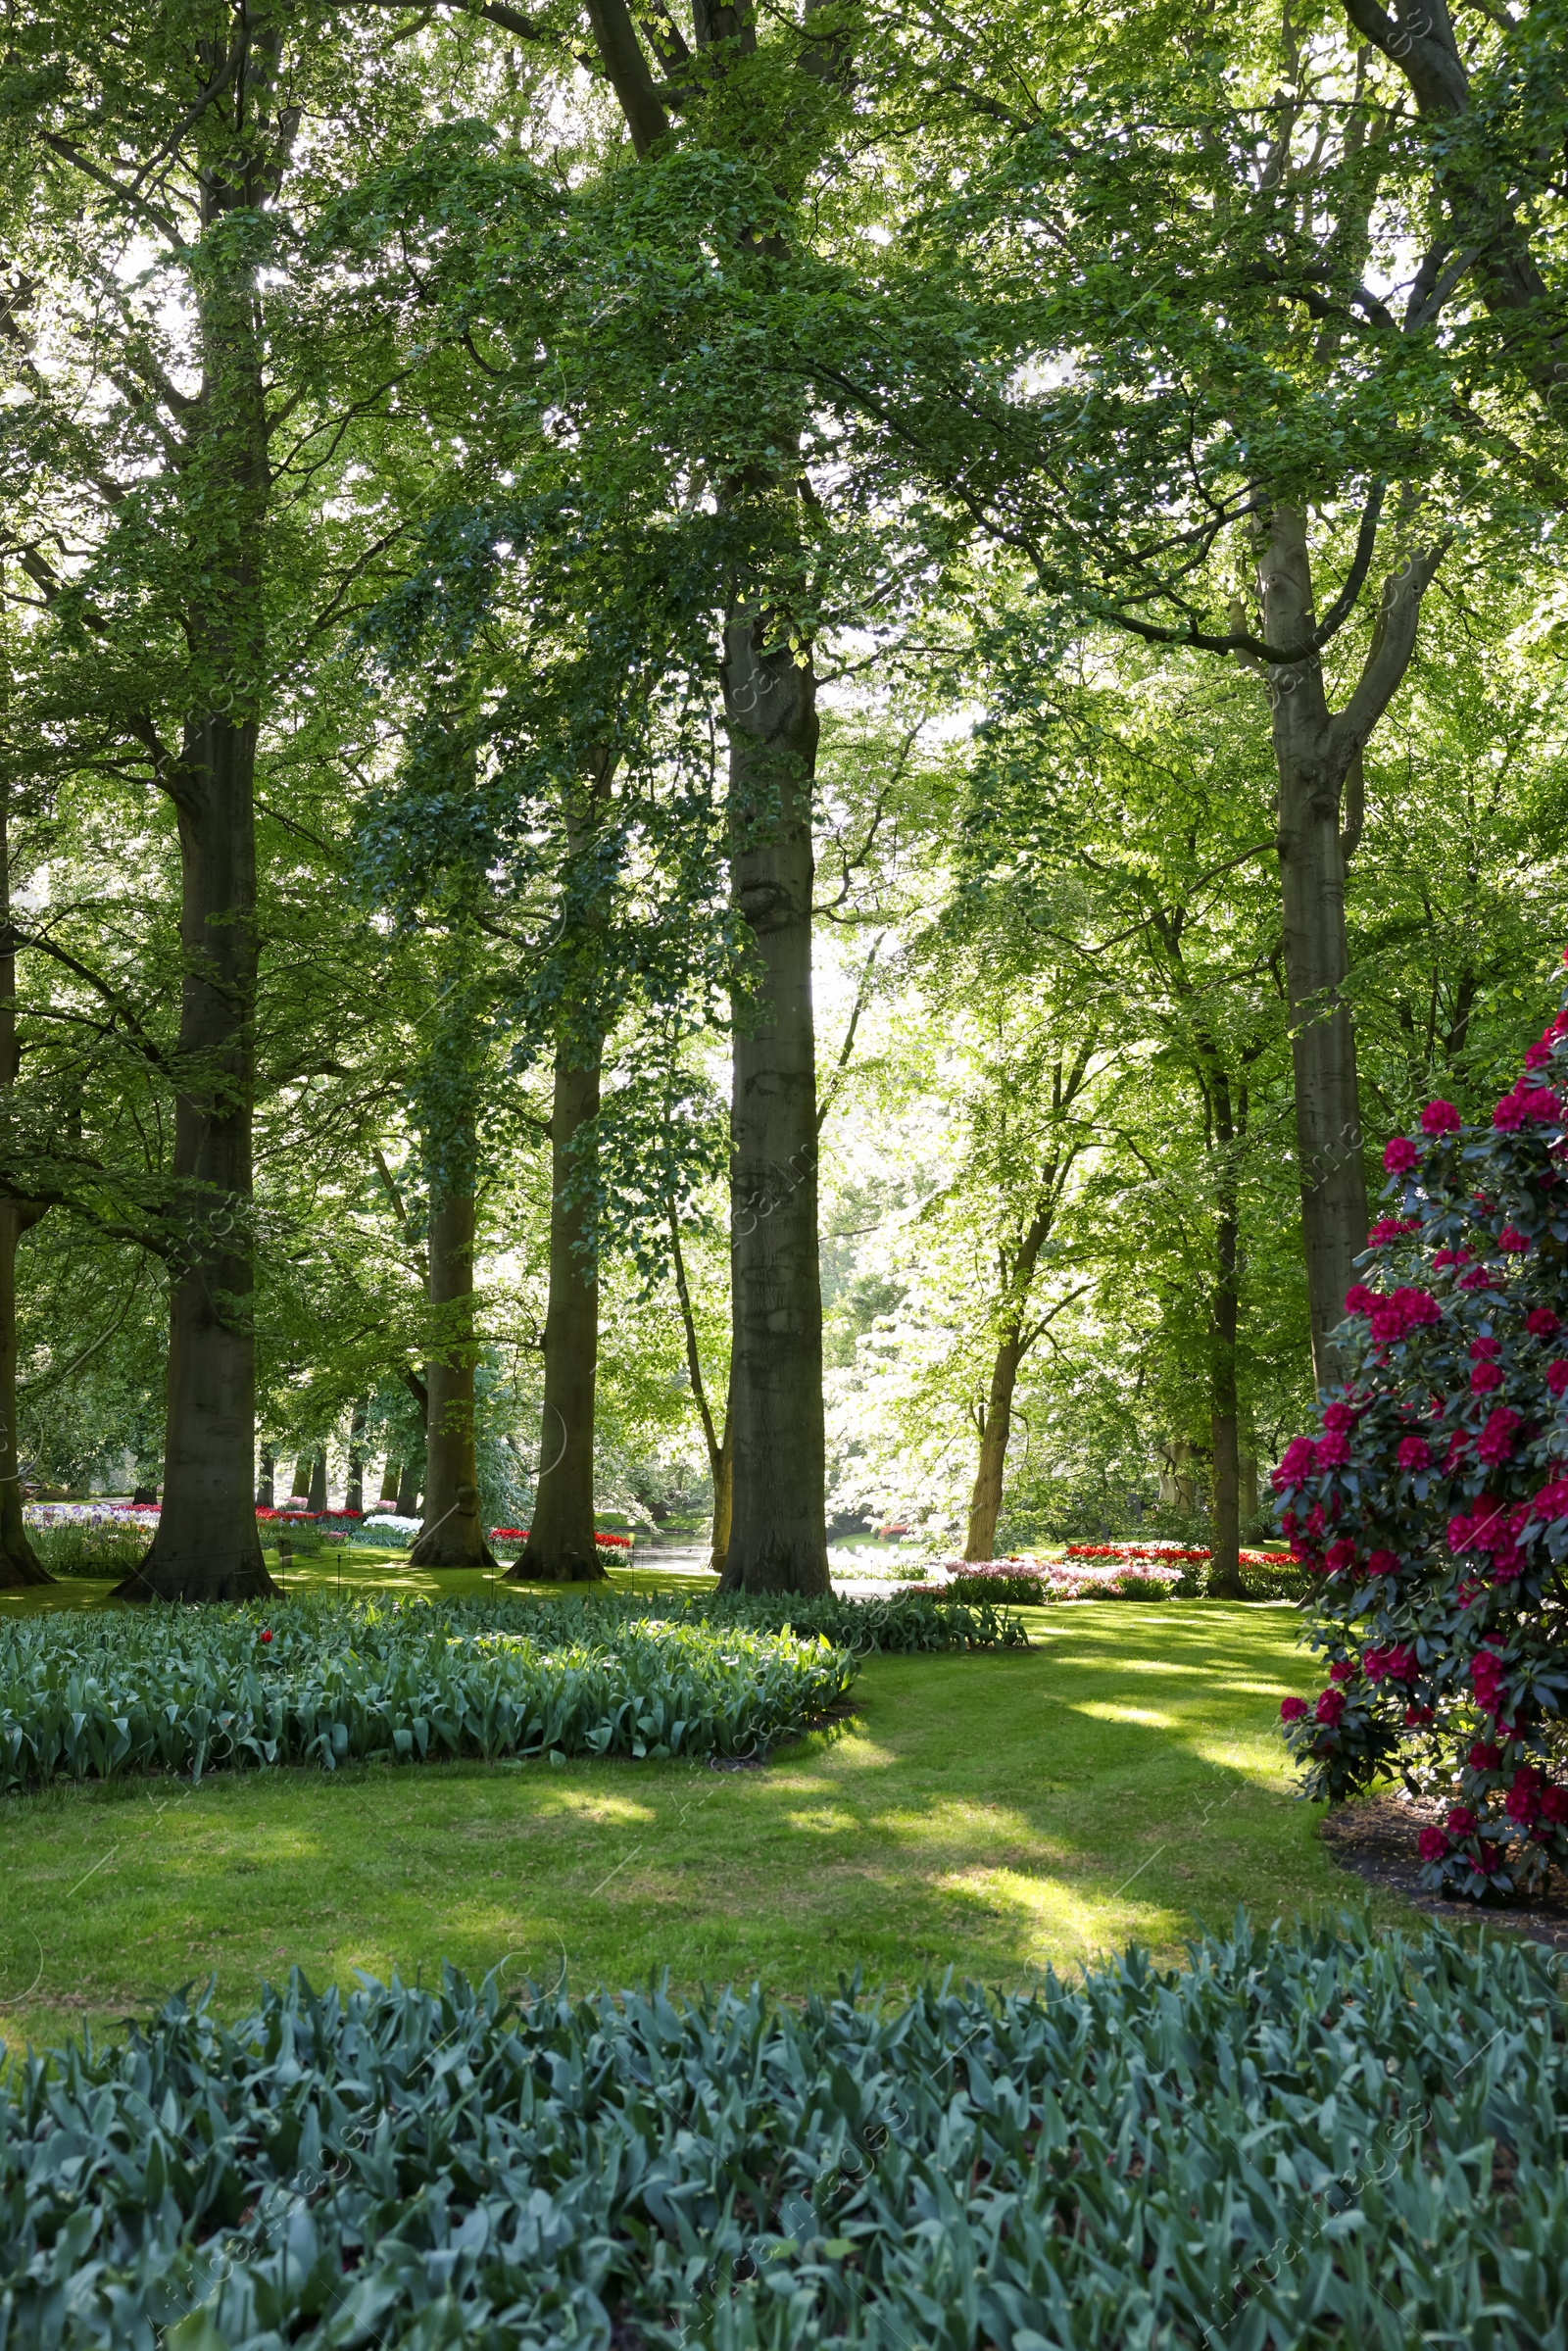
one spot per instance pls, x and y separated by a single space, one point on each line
315 1493
267 1480
1318 759
411 1478
777 1534
560 1547
451 1535
389 1482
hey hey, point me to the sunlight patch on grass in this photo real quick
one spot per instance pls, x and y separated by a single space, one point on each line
1101 1711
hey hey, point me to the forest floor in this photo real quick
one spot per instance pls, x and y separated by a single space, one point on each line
1122 1780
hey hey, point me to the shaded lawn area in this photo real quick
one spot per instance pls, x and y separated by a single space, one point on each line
992 1814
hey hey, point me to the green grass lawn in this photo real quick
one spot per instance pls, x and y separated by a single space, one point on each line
993 1814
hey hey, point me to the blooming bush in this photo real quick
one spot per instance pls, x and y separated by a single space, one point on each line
1433 1507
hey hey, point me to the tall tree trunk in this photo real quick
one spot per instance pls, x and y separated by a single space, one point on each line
721 1450
300 1485
18 1561
1314 756
266 1482
206 1548
560 1547
315 1496
451 1535
411 1478
389 1482
723 1499
1225 1566
777 1536
985 1502
354 1498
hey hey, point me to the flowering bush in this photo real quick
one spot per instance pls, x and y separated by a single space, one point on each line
1432 1508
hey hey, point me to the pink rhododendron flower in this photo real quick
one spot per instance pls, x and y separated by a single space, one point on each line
1484 1378
1558 1375
1342 1670
1496 1440
1480 1349
1486 1674
1478 1277
1484 1757
1432 1845
1314 1519
1539 1055
1462 1821
1383 1563
1415 1453
1509 1114
1399 1156
1554 1804
1401 1665
1416 1718
1291 1709
1296 1465
1461 1533
1440 1118
1542 1323
1338 1418
1329 1706
1359 1298
1341 1554
1332 1452
1446 1257
1392 1228
1517 1244
1487 1860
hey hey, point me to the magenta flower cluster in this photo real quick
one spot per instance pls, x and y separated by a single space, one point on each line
1431 1505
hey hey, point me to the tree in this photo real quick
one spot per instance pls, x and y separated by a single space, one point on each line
1191 413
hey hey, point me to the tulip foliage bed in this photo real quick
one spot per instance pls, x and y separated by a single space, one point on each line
311 1682
315 1681
1305 2138
1434 1504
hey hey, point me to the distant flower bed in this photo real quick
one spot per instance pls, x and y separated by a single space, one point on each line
601 1540
1161 1552
1044 1581
89 1538
89 1514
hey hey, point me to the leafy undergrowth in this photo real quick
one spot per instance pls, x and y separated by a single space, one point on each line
1304 2138
904 1623
317 1682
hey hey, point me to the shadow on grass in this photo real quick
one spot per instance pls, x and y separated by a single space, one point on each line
993 1814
